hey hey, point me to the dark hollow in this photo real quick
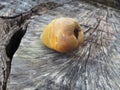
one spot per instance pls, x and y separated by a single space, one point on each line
14 43
76 32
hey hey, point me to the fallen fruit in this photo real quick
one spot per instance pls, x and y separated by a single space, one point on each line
63 35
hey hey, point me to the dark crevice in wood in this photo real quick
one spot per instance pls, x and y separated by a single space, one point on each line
14 43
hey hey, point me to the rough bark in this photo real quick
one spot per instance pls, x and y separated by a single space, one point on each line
12 29
111 3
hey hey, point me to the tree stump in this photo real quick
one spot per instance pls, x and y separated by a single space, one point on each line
94 65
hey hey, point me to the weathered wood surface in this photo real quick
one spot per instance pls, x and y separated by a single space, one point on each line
12 29
94 66
112 3
11 34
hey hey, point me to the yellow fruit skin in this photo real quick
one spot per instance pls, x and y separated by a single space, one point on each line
60 36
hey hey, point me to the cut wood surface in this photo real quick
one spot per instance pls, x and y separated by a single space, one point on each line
12 29
112 3
93 66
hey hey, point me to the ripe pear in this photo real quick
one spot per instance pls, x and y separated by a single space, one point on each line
63 35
